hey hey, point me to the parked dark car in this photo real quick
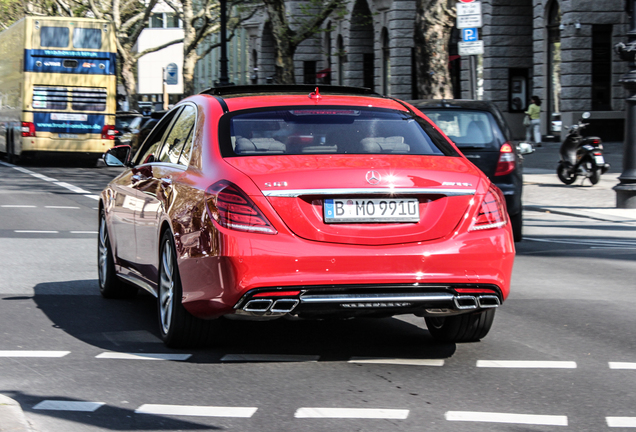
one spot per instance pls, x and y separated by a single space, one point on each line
127 124
147 126
480 131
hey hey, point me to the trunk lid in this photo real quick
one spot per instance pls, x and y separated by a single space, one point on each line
298 186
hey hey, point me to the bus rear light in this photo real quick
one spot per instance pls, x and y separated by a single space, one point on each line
28 129
109 132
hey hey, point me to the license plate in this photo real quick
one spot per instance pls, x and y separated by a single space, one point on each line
69 136
371 210
599 160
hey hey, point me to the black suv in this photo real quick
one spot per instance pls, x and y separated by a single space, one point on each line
480 131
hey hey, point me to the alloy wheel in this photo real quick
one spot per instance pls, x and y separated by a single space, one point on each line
166 287
103 251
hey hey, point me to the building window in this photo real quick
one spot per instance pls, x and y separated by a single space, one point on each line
602 67
368 63
172 20
341 60
156 20
309 72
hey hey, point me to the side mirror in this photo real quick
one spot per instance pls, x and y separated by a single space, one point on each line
586 115
525 148
117 156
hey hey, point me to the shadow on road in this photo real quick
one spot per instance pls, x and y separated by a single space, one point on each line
131 326
106 417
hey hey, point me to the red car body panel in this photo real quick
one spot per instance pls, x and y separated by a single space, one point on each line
218 265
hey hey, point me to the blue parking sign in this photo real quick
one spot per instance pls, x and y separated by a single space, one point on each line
470 34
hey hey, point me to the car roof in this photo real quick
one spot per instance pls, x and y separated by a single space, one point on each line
454 103
256 96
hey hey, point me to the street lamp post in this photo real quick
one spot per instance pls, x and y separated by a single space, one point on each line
626 189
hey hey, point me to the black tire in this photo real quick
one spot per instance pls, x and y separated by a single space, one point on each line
110 286
596 174
469 327
517 226
564 175
178 328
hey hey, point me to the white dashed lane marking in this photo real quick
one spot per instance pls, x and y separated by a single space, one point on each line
624 422
143 356
61 207
525 364
201 411
622 365
17 206
491 417
39 354
352 413
35 232
55 405
397 361
65 185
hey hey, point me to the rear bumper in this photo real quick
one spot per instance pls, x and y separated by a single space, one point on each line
218 285
46 144
369 300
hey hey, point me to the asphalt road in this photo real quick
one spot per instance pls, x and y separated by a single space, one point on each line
561 354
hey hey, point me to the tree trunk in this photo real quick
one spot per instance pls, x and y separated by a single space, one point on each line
129 81
283 36
189 64
433 24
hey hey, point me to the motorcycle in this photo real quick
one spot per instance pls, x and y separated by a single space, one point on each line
581 156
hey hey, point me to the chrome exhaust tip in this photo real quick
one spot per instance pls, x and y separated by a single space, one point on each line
284 305
258 306
465 302
488 301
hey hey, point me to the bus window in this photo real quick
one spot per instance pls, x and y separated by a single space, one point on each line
54 37
87 38
88 98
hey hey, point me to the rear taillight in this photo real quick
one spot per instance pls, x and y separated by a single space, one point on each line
109 132
506 163
492 213
227 204
28 129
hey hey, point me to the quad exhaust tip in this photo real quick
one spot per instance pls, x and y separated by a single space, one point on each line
263 306
466 302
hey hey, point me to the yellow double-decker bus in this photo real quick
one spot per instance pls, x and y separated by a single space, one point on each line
57 87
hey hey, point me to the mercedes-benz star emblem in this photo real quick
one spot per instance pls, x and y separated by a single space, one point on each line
373 177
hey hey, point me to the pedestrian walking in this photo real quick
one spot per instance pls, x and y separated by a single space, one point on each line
533 126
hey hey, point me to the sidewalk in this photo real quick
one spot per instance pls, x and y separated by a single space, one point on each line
543 191
11 416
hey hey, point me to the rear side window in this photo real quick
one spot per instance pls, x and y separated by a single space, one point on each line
322 131
467 128
55 37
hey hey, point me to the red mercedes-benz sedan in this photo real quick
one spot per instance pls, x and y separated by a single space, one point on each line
268 201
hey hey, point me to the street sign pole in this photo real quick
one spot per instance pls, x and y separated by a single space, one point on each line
469 20
165 89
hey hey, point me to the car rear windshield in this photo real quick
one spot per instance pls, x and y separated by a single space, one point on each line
467 128
336 130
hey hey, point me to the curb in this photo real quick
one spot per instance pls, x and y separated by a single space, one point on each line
12 417
580 213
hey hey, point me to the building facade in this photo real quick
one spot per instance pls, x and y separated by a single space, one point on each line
559 50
